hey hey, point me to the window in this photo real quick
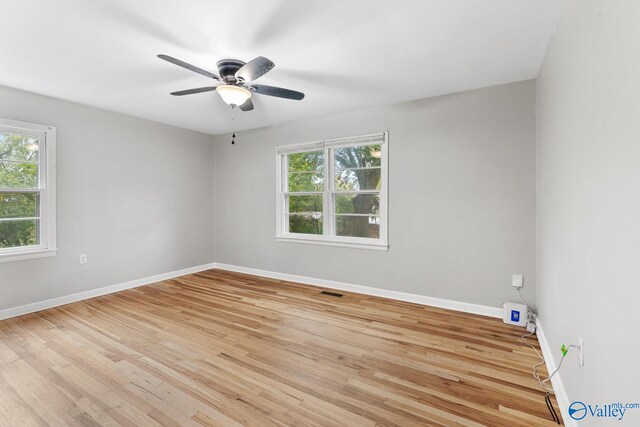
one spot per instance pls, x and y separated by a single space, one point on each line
27 190
334 192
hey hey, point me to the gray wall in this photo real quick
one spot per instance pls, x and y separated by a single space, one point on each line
588 200
461 197
134 195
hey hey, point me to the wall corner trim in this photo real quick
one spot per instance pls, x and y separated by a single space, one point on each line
80 296
556 381
465 307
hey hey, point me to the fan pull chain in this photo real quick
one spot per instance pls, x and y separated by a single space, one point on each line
233 121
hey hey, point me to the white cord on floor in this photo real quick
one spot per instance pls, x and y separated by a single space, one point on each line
536 374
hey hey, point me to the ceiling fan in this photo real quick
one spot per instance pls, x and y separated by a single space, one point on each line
236 79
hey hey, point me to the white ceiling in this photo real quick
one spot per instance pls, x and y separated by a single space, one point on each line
344 55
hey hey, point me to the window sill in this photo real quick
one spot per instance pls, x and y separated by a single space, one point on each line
306 241
20 256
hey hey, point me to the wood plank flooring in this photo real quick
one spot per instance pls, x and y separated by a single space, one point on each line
228 349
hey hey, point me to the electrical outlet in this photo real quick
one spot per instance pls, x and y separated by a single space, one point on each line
517 281
581 351
83 259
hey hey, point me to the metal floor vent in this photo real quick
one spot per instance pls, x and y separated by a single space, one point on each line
332 294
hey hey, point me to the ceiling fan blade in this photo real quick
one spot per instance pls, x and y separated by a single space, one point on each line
247 106
188 66
255 69
192 91
277 91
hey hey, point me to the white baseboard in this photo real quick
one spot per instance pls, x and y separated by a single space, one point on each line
67 299
401 296
556 381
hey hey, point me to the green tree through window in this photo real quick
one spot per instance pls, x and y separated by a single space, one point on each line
305 175
19 211
358 169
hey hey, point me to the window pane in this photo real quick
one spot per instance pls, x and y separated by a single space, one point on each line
358 226
18 147
305 181
19 205
368 204
19 233
305 224
364 156
18 175
358 179
307 204
310 161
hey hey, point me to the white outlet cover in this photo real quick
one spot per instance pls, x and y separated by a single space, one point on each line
581 352
517 280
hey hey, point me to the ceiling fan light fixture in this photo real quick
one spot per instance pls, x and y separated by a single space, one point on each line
233 75
233 95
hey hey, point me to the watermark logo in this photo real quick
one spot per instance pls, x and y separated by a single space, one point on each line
579 410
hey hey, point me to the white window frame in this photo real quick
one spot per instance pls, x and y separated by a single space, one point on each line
328 210
46 188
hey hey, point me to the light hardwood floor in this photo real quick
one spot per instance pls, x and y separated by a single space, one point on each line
221 348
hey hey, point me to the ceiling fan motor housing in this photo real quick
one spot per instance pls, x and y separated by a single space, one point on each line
227 69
